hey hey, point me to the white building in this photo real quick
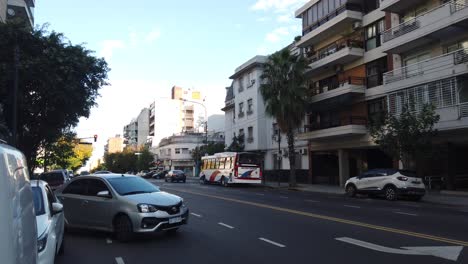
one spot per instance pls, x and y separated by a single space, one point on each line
164 119
245 115
17 9
143 127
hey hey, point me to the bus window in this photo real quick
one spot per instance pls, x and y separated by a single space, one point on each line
212 164
205 164
217 162
229 163
248 158
222 163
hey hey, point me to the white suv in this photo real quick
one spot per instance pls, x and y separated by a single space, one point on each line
390 183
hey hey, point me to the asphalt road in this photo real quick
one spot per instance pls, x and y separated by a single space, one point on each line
258 225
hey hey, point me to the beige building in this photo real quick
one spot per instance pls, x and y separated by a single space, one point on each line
114 145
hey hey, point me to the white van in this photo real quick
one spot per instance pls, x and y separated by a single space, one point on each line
18 234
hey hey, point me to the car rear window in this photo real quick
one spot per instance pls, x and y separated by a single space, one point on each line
38 201
53 178
408 173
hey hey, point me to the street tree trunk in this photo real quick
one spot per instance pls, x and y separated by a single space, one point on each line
292 159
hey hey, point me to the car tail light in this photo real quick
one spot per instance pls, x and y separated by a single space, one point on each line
402 178
261 174
236 166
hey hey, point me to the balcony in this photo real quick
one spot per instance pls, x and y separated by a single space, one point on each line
436 24
339 53
334 23
348 126
399 6
21 9
241 114
440 67
351 86
463 110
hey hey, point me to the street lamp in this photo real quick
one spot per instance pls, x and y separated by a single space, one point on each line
206 116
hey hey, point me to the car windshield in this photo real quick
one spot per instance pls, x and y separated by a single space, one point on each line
38 201
131 185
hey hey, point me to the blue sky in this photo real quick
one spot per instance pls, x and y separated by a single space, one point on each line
151 45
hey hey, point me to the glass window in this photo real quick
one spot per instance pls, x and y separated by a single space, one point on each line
241 107
331 5
39 207
250 105
131 185
320 10
77 187
314 14
95 186
325 7
310 18
249 158
177 151
250 132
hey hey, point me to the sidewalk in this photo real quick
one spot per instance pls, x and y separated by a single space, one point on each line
444 197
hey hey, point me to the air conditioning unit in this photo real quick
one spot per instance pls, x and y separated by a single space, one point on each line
357 25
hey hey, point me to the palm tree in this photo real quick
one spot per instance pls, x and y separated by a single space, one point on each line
285 95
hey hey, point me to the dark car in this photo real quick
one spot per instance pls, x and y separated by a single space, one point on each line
160 174
175 176
55 178
149 174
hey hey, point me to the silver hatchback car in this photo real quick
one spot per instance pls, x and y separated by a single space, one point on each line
123 204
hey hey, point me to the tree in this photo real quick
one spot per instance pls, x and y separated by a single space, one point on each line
237 144
81 154
145 160
286 96
210 149
408 135
58 83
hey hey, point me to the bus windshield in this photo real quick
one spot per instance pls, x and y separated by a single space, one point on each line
248 158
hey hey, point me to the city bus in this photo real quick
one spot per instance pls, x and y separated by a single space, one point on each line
231 168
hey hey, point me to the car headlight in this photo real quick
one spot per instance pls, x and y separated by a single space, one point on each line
42 242
147 208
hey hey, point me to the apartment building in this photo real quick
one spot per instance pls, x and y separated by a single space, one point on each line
114 145
17 10
245 115
371 56
190 110
130 134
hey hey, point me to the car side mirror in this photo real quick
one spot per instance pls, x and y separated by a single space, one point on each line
57 208
104 194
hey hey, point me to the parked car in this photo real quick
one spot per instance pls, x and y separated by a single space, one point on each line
160 174
55 178
102 172
390 183
175 176
17 209
82 173
50 222
70 174
149 174
123 204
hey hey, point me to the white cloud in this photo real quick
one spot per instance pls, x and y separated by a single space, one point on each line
285 18
109 46
263 19
133 35
152 36
277 34
277 5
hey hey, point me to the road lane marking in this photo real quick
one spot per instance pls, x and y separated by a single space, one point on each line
312 201
119 260
403 213
109 241
272 242
445 252
261 194
284 197
225 225
194 214
352 206
333 219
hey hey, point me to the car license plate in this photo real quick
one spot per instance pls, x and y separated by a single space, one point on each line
175 220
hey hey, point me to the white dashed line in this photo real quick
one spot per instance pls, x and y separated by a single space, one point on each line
119 260
272 242
261 194
312 201
109 241
228 226
352 206
284 197
405 213
194 214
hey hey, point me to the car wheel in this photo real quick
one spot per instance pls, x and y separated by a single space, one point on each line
123 228
61 250
172 231
183 181
390 193
351 190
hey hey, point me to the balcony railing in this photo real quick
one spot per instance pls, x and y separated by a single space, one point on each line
333 48
241 114
352 80
330 16
345 121
429 66
419 21
463 110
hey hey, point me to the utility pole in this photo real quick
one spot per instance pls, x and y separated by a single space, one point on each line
14 122
279 157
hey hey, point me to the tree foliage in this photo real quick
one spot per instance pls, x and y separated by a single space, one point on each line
286 96
407 135
129 161
58 83
81 154
237 144
210 149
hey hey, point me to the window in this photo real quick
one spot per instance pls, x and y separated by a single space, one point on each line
249 106
222 163
241 109
185 151
96 186
377 110
39 207
229 164
77 187
240 84
241 132
372 34
250 134
275 129
375 71
250 79
177 151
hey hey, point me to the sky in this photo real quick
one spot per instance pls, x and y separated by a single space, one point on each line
152 45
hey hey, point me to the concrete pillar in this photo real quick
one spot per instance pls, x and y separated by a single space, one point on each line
343 163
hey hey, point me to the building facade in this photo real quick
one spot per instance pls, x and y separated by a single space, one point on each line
367 57
3 10
131 134
143 127
17 9
245 115
114 145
